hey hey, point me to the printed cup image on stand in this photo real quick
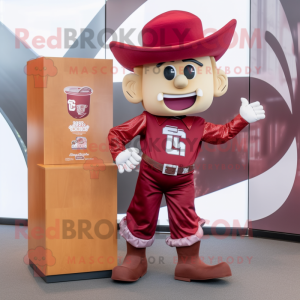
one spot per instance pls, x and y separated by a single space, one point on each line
79 143
78 101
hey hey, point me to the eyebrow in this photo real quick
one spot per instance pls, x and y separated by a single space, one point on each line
184 60
159 64
194 61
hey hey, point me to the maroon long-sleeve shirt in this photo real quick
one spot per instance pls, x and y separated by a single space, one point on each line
170 140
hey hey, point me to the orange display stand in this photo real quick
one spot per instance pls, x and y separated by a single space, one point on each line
72 181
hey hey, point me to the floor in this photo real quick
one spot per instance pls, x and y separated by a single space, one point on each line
262 269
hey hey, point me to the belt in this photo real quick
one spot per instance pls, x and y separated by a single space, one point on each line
166 168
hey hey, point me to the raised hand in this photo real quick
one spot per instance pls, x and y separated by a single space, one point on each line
252 112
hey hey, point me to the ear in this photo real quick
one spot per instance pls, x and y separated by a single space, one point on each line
132 86
220 80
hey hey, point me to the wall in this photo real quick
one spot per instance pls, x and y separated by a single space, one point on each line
274 165
221 179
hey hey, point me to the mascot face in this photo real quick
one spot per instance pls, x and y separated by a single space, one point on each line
176 88
175 74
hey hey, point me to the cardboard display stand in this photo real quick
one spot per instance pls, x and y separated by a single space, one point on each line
72 181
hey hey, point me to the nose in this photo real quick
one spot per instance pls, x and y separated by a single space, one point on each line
180 82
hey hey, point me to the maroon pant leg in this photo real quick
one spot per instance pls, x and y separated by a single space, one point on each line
180 199
143 210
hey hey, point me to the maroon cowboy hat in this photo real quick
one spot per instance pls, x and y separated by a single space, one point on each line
173 35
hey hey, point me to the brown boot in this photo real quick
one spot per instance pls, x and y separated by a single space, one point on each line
191 267
134 265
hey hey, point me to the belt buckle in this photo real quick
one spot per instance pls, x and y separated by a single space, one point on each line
170 166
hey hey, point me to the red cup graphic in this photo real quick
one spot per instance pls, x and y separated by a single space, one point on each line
78 101
79 143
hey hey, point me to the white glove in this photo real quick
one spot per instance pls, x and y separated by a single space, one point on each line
251 112
128 159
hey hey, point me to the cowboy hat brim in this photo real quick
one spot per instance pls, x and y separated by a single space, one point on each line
215 45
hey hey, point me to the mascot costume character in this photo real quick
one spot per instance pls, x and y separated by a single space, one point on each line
174 75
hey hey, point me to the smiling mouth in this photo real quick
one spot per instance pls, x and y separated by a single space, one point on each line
180 102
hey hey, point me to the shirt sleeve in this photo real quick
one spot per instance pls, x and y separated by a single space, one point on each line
121 135
220 134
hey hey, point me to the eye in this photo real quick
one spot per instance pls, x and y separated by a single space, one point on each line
43 258
189 71
36 68
45 68
35 258
169 72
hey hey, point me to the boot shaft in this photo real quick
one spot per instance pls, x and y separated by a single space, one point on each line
140 252
185 254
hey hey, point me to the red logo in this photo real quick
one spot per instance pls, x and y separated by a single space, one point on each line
94 166
40 258
78 101
40 70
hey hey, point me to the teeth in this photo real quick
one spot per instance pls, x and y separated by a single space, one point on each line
199 93
179 96
160 97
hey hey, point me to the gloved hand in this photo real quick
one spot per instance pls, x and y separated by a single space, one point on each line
128 159
251 112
